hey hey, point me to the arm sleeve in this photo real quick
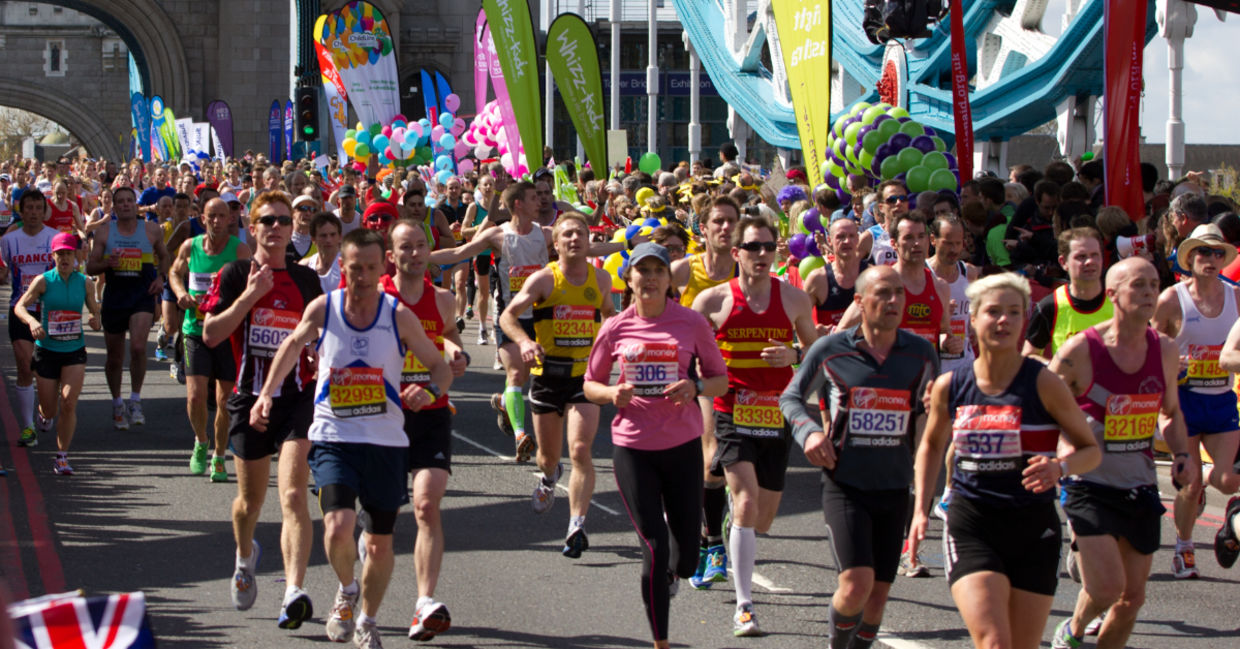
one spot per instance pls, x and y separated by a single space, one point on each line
1041 323
807 381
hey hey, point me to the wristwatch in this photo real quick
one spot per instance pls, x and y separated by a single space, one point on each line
697 385
434 390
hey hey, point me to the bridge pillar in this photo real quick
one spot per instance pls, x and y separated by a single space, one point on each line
695 102
1076 131
1176 19
991 156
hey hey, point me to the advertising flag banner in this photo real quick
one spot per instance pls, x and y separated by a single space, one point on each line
142 124
288 129
961 110
183 127
337 96
360 45
508 118
805 42
1124 22
200 140
219 116
443 89
159 146
216 145
573 57
428 99
273 133
480 63
513 33
169 133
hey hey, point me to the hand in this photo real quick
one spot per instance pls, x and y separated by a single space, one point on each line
1041 474
622 395
824 330
94 323
260 413
1010 244
37 332
157 286
681 392
953 344
415 398
115 259
531 352
458 364
1024 234
819 451
1184 470
778 354
261 279
917 532
187 302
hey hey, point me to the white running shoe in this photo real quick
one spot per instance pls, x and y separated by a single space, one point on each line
430 619
341 623
135 413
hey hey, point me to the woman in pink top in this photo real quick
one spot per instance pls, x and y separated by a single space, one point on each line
658 425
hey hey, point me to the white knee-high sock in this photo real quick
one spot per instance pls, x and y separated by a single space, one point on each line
25 398
743 550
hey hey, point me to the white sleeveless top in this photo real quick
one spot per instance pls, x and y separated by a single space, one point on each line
1201 340
882 252
523 255
356 397
960 320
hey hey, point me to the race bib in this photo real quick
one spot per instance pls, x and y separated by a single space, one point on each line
928 332
1130 423
36 307
200 282
573 326
518 274
987 438
414 371
130 263
356 391
757 414
64 325
269 328
650 367
1203 367
878 416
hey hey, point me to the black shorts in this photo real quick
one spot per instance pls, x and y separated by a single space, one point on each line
866 527
1021 542
18 329
116 321
290 420
215 363
430 439
527 325
553 393
482 264
47 363
1132 514
371 474
769 455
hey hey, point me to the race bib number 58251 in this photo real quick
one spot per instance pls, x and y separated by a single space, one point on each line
878 416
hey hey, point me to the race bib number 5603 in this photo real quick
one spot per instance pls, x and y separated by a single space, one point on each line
269 328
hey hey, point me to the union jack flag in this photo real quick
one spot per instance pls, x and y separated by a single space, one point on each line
71 621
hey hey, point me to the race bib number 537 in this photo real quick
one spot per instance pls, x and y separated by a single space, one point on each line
987 438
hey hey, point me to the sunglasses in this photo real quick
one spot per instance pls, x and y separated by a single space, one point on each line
892 200
271 219
1218 253
759 246
378 219
675 249
305 208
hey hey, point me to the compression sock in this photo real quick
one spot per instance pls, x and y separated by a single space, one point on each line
864 638
743 549
841 628
135 397
575 523
714 501
514 405
25 397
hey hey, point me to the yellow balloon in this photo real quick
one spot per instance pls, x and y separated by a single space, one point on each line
612 265
645 231
618 236
642 195
348 145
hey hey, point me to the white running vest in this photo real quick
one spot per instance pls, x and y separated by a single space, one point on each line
522 256
357 395
1201 340
882 253
959 322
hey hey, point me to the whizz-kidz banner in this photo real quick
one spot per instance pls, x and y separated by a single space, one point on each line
337 96
805 40
273 132
573 57
513 33
219 115
360 44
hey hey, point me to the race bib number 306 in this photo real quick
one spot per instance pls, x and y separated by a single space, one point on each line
650 367
878 416
269 328
757 414
357 391
1131 420
987 438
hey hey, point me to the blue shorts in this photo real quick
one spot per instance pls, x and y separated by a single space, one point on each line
375 473
1206 414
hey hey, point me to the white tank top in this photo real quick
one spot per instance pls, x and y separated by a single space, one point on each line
523 255
882 253
356 397
1201 340
960 320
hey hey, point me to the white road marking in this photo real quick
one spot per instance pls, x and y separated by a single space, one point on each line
769 585
896 643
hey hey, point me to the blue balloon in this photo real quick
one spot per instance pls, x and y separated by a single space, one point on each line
443 162
811 246
446 120
448 141
882 151
652 222
443 176
632 231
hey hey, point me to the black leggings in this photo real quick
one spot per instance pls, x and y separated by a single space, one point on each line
651 483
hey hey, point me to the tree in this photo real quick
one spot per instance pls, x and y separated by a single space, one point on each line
17 125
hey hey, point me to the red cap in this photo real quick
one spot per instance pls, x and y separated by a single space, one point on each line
204 186
379 209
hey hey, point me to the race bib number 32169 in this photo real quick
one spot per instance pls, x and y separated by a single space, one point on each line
1131 420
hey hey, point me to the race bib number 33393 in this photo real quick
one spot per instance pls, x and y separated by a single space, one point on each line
757 414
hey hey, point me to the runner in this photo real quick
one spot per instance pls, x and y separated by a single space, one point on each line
831 287
361 335
254 305
1199 313
27 253
569 299
475 222
1005 415
60 346
429 429
869 380
875 243
756 319
1121 372
325 228
454 209
1227 538
198 261
131 256
1076 307
656 430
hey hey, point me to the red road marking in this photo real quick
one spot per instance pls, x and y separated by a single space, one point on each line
10 553
50 569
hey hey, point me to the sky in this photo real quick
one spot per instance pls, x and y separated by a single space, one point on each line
1210 83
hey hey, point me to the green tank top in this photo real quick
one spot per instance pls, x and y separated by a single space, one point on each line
202 271
1069 321
63 300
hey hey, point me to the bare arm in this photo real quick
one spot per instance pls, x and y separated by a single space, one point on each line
178 274
484 239
413 337
604 286
851 317
28 299
934 440
453 348
1043 472
535 289
95 263
307 331
1229 359
1175 431
1167 313
218 327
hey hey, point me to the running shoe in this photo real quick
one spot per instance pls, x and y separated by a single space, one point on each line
698 580
42 426
135 413
29 437
341 624
60 466
367 636
178 373
501 419
744 624
1072 565
525 447
912 566
198 459
297 608
1096 625
716 565
160 354
119 422
1226 545
469 313
482 334
244 586
161 342
1184 564
940 509
575 544
431 619
544 493
219 472
497 364
1063 638
460 325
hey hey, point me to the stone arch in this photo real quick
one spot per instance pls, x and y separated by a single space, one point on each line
81 120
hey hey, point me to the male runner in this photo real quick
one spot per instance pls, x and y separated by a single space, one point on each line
1199 313
198 261
570 298
756 318
133 260
1121 372
254 305
325 228
1076 307
875 242
361 335
870 379
831 286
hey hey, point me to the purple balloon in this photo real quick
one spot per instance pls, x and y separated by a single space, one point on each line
845 197
951 161
922 143
811 222
796 245
899 141
810 248
901 176
832 181
882 151
930 131
858 149
878 161
812 210
880 119
905 119
864 130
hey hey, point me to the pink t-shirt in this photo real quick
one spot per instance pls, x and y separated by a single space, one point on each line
653 353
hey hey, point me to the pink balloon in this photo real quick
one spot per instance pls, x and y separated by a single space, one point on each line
452 102
468 138
501 136
436 132
398 134
387 131
506 160
490 141
461 149
387 152
457 129
416 128
400 117
465 166
482 151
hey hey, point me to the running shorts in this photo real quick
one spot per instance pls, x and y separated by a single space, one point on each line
866 527
430 438
18 329
1131 514
553 393
215 363
290 420
116 321
1022 543
1207 414
769 455
374 474
47 363
501 338
482 264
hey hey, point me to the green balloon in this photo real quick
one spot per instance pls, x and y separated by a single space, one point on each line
941 179
871 114
890 167
871 141
909 158
866 159
883 105
361 150
897 112
825 168
939 144
376 129
650 162
918 179
887 129
912 129
934 160
798 226
838 128
809 264
835 169
350 134
850 133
